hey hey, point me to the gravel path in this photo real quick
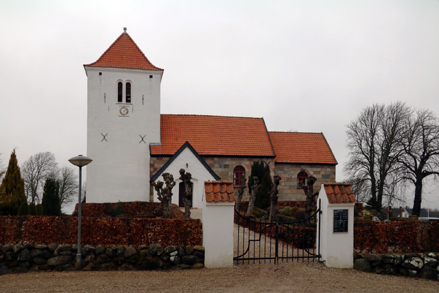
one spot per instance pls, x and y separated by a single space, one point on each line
283 277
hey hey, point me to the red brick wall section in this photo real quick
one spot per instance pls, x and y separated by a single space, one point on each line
100 231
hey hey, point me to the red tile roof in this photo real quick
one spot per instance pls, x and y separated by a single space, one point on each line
214 135
219 191
301 147
339 192
124 53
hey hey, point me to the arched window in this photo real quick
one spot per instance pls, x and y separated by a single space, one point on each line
237 173
301 178
128 92
119 92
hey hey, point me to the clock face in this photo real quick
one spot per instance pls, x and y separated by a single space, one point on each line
123 111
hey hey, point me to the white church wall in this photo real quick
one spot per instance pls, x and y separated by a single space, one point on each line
190 163
119 134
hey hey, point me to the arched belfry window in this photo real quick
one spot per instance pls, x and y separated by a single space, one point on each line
128 92
119 91
237 173
301 179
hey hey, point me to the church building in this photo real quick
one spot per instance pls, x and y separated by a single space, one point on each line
132 143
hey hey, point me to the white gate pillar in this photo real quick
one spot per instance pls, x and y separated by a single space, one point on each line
336 233
218 217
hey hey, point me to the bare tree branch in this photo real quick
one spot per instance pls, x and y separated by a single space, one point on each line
34 171
420 148
68 185
373 148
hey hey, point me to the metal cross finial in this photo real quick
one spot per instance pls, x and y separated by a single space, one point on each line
124 30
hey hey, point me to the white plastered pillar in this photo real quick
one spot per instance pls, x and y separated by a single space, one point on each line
336 236
218 234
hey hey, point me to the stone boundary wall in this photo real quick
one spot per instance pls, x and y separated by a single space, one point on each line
20 258
417 265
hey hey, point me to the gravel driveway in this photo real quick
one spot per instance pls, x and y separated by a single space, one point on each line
283 277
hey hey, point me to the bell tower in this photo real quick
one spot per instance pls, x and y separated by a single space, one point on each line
123 119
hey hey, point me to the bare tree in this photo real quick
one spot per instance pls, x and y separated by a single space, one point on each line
308 188
241 188
34 171
165 193
2 171
252 199
188 188
274 197
394 191
360 188
373 147
68 185
420 147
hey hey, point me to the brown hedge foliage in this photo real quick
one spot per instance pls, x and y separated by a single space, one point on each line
280 204
100 231
396 236
135 209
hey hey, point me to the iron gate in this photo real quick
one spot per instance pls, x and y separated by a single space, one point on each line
258 240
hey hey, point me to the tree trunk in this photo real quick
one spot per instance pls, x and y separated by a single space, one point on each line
251 201
274 197
418 197
241 189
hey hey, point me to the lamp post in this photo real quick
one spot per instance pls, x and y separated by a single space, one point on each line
79 161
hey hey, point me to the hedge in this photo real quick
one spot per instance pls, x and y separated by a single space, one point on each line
396 236
99 231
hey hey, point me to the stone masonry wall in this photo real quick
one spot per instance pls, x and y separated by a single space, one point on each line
21 258
417 265
223 167
288 189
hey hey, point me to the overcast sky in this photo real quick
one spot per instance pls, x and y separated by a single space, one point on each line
308 66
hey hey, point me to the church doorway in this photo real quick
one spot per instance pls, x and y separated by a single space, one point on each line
181 192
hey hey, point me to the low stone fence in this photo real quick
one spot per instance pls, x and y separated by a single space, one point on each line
417 265
20 258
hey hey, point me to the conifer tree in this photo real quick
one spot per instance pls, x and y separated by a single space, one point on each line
23 210
263 196
51 202
262 171
12 188
32 209
39 210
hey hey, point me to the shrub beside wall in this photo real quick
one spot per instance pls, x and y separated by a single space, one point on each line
396 236
100 231
22 258
280 204
136 209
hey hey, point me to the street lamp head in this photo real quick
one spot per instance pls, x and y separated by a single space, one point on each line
80 161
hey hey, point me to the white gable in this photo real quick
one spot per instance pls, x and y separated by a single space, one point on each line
188 161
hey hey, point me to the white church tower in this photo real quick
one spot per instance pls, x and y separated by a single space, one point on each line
123 119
